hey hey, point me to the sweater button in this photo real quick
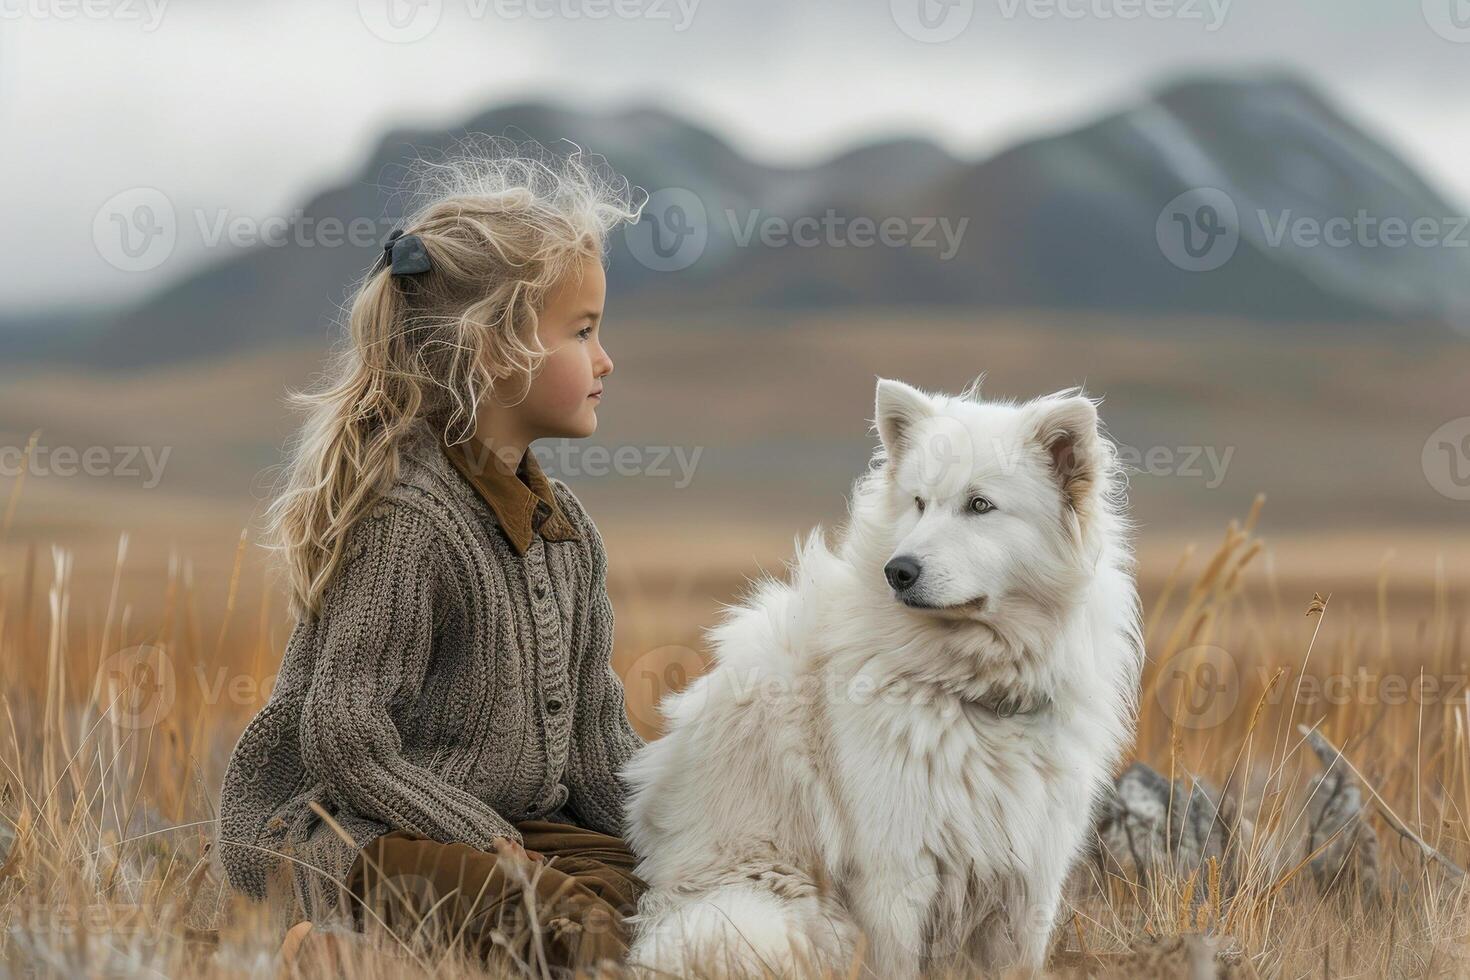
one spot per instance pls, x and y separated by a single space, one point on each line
553 706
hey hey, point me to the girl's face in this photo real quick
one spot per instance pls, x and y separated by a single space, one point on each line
565 393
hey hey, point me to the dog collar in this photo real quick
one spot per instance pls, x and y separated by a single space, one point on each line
1008 704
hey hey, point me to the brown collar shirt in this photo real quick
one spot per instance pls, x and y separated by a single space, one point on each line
523 500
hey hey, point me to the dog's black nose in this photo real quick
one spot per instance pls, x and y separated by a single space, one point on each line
902 572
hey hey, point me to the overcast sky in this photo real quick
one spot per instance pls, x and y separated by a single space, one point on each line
246 107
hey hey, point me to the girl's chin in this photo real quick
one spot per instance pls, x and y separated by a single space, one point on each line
578 426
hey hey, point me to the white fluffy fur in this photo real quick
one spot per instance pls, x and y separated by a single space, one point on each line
850 764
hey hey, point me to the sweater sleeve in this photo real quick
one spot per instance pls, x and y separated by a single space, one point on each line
604 737
376 635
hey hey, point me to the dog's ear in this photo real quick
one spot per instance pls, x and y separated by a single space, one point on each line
898 406
1067 429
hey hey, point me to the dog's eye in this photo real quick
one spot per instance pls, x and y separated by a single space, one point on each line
918 502
980 505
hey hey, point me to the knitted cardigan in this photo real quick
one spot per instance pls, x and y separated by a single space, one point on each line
449 687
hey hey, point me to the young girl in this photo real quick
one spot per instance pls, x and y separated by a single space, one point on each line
446 713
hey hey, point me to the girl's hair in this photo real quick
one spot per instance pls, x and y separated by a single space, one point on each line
503 223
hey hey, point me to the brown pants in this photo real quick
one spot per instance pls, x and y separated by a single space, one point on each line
575 900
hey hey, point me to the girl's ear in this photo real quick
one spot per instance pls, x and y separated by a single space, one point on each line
897 407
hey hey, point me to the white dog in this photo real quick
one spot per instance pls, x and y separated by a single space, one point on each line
906 740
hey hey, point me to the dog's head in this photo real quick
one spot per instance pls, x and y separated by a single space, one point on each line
990 501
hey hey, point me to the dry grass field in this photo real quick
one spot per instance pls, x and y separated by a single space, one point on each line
121 693
140 629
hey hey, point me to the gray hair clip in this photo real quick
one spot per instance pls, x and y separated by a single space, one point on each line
405 255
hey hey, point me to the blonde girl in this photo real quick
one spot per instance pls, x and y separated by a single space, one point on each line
446 712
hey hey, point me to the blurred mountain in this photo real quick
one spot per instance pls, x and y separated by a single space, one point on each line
292 292
1201 199
53 334
1317 215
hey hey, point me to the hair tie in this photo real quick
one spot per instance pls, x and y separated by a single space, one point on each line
405 255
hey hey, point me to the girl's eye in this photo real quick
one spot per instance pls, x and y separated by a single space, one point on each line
584 333
920 504
979 505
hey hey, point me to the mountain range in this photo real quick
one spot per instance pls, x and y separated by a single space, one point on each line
1244 197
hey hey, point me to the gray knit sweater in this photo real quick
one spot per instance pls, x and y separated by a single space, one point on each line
449 687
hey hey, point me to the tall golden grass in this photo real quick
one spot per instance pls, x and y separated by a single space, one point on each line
115 726
1236 679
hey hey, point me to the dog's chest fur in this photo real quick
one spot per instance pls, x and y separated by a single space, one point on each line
949 808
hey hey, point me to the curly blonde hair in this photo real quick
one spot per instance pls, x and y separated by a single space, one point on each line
502 222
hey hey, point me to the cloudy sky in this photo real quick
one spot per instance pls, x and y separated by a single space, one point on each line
244 108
